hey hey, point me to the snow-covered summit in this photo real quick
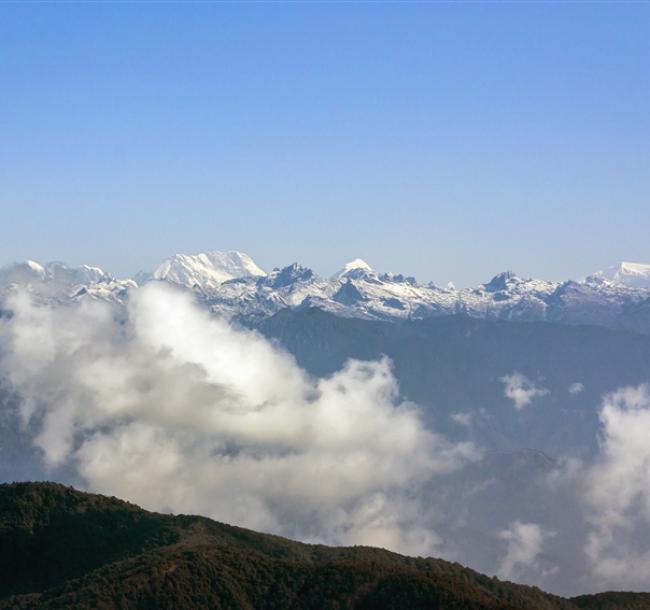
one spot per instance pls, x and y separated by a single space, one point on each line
60 282
278 278
85 274
207 270
58 272
355 268
32 266
632 275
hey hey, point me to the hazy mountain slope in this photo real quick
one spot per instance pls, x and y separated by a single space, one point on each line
636 317
458 365
67 549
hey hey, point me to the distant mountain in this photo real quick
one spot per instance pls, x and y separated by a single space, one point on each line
61 282
31 271
60 272
232 284
208 270
69 550
355 268
632 275
22 273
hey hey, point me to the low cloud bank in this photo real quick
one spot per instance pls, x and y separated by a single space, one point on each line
177 410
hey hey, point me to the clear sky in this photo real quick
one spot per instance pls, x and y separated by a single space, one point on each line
448 141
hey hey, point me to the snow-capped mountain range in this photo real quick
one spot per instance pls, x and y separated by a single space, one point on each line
230 283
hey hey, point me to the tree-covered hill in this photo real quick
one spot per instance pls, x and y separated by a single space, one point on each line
61 548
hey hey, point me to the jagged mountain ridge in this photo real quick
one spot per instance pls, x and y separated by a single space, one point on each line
231 283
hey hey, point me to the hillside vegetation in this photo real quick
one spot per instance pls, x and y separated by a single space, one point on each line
62 548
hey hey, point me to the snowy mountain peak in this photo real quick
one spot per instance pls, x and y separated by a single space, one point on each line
34 266
22 273
85 274
207 269
500 281
632 275
355 268
291 274
60 282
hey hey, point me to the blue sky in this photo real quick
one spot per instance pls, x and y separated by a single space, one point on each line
449 141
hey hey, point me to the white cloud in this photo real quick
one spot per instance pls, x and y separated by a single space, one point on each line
617 492
576 388
520 389
172 408
524 545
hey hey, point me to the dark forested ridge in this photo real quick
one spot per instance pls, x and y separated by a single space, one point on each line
61 548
